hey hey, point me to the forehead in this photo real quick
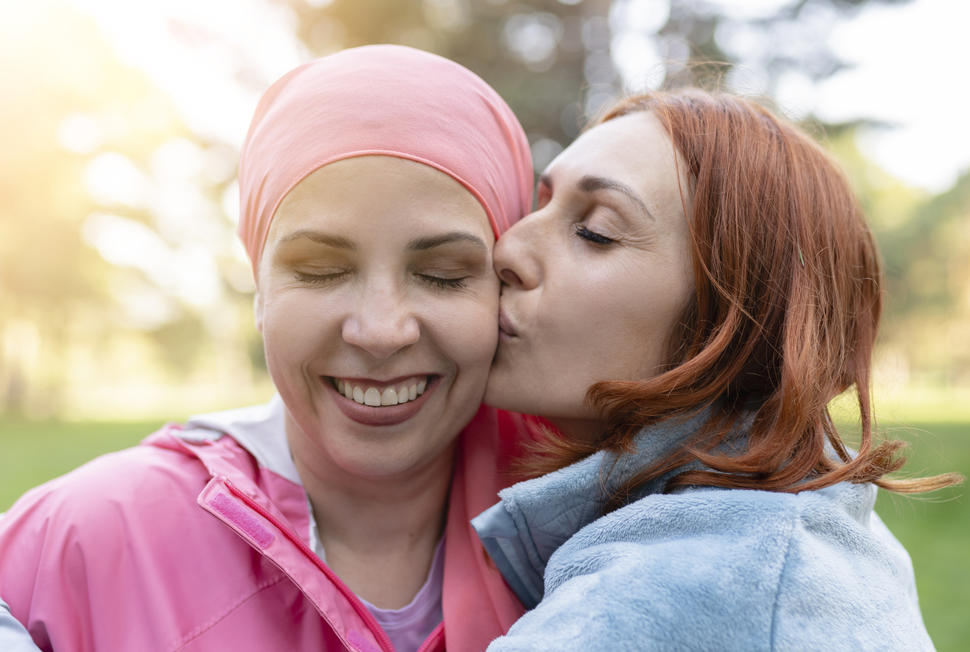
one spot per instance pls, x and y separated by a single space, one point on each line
368 195
620 148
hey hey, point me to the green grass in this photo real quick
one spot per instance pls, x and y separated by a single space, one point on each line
934 529
32 452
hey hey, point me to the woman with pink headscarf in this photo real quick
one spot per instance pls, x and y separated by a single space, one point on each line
373 185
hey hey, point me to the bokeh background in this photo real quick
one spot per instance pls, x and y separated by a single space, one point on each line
125 299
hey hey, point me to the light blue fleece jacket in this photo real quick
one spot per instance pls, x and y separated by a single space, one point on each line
699 568
13 636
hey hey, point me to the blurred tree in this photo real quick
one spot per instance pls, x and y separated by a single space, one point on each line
928 280
81 132
770 41
47 273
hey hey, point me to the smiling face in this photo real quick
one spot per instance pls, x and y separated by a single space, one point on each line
595 279
377 304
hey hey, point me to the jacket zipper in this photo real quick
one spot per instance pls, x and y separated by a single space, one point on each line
361 610
434 638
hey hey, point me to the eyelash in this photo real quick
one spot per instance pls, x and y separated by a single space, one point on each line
318 279
441 283
437 282
592 236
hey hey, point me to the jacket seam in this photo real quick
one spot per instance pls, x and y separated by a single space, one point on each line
781 575
203 628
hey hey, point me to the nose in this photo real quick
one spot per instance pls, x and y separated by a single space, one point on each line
381 323
515 256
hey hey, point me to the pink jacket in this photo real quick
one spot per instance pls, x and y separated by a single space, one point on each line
173 545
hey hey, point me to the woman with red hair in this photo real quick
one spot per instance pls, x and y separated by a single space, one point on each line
696 285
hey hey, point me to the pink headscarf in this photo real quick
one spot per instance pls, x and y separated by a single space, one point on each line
382 100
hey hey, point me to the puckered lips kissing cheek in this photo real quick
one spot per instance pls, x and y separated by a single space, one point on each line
374 402
506 327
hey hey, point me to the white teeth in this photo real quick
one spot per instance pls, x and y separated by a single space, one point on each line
389 396
374 397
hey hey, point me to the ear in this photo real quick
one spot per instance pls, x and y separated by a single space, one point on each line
258 310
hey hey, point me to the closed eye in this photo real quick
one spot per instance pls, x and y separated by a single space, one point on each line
592 236
319 279
443 283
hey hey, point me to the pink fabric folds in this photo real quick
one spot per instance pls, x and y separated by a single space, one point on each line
382 100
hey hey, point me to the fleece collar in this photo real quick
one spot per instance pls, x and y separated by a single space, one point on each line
535 517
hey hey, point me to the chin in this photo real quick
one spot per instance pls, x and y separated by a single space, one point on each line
377 466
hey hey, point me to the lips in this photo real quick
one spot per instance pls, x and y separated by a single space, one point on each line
505 325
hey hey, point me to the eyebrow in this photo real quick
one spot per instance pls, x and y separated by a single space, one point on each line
423 244
591 183
323 238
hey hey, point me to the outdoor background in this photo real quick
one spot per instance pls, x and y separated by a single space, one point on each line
125 299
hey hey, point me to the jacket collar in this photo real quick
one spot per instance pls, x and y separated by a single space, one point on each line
260 429
535 517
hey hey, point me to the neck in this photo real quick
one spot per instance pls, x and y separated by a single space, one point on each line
379 533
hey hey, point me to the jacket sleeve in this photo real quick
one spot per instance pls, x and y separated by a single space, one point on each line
26 541
55 541
13 636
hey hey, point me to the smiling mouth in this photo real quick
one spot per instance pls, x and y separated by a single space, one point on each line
373 395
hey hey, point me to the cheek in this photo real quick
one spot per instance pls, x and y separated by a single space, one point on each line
292 323
575 310
468 332
648 321
612 322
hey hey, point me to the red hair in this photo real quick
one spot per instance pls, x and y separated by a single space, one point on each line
783 318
